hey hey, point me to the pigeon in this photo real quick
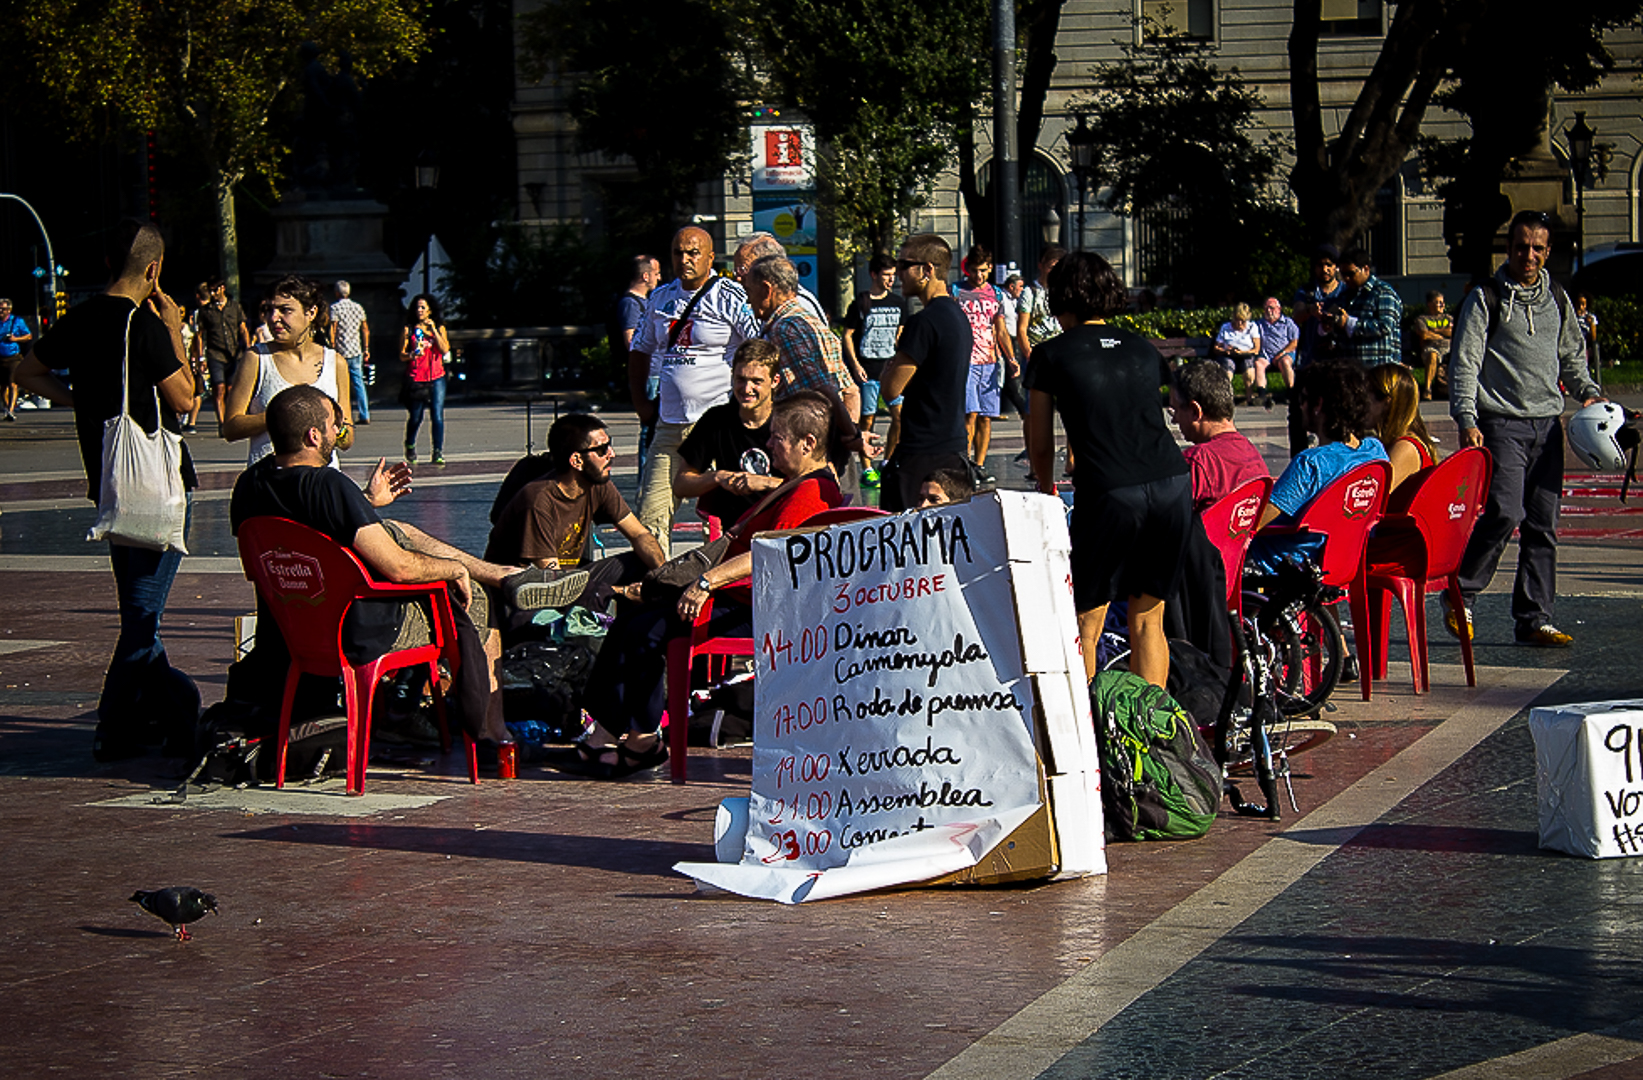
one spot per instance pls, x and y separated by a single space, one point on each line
177 906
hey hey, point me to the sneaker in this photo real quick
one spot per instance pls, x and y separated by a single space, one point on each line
538 587
363 421
1451 621
1545 636
410 451
1266 402
870 477
190 429
439 458
9 416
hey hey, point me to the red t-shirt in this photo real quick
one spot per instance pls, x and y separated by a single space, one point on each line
1221 465
807 498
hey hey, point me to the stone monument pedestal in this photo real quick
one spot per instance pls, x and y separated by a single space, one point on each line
328 239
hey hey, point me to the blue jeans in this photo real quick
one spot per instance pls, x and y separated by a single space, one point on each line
436 406
138 686
356 384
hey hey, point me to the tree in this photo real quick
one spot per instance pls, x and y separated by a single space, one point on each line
1507 108
207 74
888 85
1179 147
662 85
1335 179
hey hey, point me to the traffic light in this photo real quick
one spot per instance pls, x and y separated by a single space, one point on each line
765 112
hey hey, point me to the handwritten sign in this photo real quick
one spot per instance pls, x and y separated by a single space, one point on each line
1589 776
895 709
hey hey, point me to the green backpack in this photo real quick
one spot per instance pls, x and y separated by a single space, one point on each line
1159 780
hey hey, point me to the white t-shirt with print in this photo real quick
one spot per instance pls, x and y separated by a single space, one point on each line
695 373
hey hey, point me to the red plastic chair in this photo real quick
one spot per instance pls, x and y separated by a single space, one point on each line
1230 523
1443 508
683 650
1344 512
309 581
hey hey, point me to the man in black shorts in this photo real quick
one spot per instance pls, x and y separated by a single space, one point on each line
223 336
929 371
1134 509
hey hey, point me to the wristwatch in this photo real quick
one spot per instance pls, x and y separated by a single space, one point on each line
703 584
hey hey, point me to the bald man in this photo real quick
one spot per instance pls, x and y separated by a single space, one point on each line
691 328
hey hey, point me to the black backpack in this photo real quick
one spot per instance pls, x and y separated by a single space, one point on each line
543 683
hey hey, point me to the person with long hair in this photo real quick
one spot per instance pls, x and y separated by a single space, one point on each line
423 346
298 322
1133 514
1395 398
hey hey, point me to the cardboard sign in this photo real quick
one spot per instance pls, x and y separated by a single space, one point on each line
906 730
1589 777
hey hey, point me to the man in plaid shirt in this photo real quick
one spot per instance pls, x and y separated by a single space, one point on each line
811 357
1371 319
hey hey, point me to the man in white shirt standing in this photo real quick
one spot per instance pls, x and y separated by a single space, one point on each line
692 326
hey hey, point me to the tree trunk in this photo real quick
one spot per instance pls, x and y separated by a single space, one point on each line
1335 181
228 235
1041 21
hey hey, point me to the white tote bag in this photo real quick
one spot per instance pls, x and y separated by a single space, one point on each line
143 503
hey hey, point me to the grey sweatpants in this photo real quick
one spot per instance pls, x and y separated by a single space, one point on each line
1525 493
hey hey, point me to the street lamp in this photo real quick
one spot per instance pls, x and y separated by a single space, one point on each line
1580 156
1050 225
427 179
51 263
1081 147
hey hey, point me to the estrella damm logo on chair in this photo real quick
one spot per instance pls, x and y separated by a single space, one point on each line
1360 497
294 576
1243 516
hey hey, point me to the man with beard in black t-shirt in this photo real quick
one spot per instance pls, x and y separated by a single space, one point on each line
726 467
296 482
929 371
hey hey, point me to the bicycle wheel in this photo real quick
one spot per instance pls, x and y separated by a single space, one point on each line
1287 739
1303 652
1323 652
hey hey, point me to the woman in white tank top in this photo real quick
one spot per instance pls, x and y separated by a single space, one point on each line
298 319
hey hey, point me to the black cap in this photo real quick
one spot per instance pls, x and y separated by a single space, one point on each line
1326 251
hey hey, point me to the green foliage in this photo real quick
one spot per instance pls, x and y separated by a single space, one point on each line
207 73
659 84
1619 327
1199 322
888 84
1179 145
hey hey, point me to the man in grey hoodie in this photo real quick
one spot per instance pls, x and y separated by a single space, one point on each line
1515 338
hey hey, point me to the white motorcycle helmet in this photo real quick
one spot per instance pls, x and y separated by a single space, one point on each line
1600 436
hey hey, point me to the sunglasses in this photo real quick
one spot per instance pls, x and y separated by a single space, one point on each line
604 449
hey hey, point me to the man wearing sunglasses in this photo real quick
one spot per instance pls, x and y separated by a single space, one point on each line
547 509
1515 338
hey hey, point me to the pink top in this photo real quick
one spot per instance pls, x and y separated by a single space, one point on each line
427 362
1222 464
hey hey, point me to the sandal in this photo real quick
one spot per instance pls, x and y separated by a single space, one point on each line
597 763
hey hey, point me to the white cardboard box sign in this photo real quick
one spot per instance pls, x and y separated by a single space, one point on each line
915 708
1589 777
